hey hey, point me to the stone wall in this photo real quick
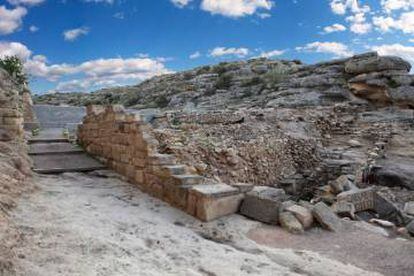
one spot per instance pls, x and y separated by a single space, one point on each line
11 116
127 145
14 167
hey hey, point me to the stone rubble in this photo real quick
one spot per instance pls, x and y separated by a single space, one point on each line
328 135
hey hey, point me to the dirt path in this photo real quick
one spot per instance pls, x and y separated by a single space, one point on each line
78 224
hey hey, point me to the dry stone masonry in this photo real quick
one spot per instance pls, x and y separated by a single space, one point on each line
127 145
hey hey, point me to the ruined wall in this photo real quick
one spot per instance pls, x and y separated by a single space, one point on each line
11 116
14 166
127 145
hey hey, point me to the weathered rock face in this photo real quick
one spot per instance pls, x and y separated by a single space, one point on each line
14 166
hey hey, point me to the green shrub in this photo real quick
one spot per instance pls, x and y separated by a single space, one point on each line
14 66
223 82
162 101
277 75
251 82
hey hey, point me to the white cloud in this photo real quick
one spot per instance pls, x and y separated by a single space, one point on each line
405 23
14 49
341 7
406 52
25 2
235 8
195 55
11 20
334 28
33 29
392 5
89 74
222 51
273 53
411 40
335 48
181 3
73 34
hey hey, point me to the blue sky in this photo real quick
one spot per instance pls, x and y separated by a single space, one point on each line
83 45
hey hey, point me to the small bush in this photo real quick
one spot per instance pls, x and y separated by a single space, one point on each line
220 69
223 82
277 75
14 66
251 82
203 70
392 83
162 101
210 92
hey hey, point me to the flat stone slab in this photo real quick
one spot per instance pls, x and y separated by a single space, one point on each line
326 217
215 190
362 199
262 204
59 163
53 148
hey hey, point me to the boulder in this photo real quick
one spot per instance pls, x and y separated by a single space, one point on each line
263 203
375 63
341 184
290 223
363 200
387 210
326 217
410 228
344 209
409 208
302 214
396 173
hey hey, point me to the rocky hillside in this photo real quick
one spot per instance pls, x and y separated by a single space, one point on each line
262 83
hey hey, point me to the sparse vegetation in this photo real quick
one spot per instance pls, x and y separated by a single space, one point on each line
251 82
223 82
277 75
162 101
14 66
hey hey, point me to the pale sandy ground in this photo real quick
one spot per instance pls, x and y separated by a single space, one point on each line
77 224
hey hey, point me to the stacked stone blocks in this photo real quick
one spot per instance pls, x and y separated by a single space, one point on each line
126 144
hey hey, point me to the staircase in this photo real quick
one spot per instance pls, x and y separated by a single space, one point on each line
52 154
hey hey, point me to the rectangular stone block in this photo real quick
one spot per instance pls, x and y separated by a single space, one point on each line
211 201
263 203
363 200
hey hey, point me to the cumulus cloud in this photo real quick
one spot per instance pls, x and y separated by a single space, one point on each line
223 51
334 28
11 20
14 49
73 34
404 23
89 74
356 14
393 5
181 3
272 54
335 48
406 52
235 8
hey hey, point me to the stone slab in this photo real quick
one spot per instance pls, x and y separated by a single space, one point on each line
263 203
362 199
53 148
290 223
50 164
326 217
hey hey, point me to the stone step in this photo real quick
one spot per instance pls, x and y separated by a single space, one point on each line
176 169
60 163
54 148
188 179
47 140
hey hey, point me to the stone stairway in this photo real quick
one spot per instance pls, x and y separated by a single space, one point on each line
52 153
